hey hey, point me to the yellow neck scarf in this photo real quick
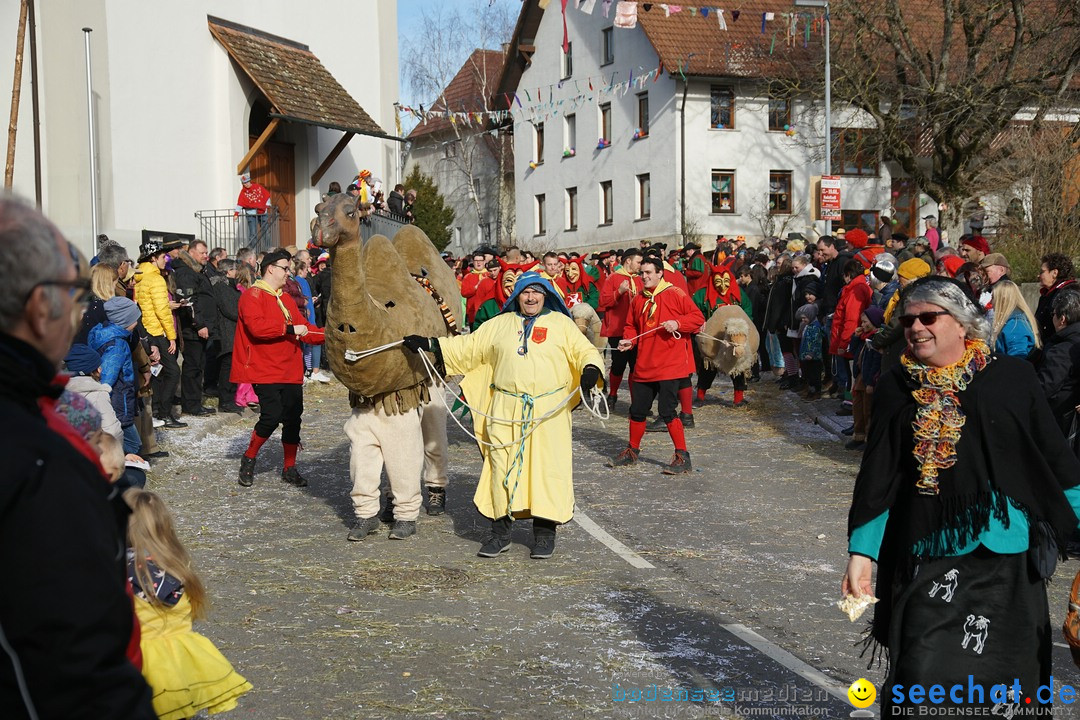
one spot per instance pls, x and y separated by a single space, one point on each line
650 298
633 287
263 285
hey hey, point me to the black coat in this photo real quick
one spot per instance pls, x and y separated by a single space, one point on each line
396 202
320 288
1059 374
195 286
758 302
834 283
64 607
1044 312
778 309
227 297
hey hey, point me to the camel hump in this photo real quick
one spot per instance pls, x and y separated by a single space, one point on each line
423 260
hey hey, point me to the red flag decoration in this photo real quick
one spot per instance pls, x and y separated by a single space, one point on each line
565 37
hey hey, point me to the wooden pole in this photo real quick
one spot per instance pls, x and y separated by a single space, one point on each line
267 133
16 91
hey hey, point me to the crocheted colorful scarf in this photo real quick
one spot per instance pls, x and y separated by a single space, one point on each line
939 418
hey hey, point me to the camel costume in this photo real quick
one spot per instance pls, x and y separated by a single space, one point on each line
382 290
509 374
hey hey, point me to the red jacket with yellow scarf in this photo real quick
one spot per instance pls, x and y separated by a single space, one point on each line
265 350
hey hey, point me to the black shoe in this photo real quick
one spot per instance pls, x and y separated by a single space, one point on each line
629 456
849 430
403 529
742 403
173 423
436 503
204 410
679 464
755 378
363 527
494 546
543 546
612 401
857 445
234 408
156 455
387 514
657 425
842 412
700 402
247 471
687 419
292 476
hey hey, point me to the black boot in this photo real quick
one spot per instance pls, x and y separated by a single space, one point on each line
436 503
247 471
499 542
543 539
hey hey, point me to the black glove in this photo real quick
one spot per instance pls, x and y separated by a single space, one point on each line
416 343
589 376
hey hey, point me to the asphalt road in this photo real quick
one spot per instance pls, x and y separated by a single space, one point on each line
706 595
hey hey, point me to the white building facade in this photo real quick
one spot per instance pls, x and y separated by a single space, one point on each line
708 151
174 111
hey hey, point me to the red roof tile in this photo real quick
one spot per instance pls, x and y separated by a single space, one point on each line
293 79
471 90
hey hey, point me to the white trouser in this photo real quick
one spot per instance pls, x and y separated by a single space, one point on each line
396 441
433 426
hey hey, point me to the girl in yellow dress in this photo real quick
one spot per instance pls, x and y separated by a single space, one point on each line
187 673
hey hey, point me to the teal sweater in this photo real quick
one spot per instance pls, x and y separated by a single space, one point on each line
866 539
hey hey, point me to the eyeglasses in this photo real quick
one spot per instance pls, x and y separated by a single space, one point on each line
926 318
283 268
78 289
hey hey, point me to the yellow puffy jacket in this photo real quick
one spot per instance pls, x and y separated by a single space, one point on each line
152 294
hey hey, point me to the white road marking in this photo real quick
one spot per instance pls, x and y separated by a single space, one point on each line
612 544
777 653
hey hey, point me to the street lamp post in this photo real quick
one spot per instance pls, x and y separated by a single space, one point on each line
828 91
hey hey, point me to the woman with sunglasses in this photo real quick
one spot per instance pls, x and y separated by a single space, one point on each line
965 487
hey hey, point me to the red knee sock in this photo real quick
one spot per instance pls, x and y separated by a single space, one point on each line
613 385
254 445
675 430
686 399
738 396
290 453
700 394
637 431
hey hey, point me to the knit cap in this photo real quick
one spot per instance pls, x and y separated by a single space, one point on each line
857 238
121 311
78 412
82 359
875 315
913 269
808 311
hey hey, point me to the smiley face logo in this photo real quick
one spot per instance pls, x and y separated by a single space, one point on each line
861 694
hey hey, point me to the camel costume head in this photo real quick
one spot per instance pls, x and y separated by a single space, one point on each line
382 290
735 351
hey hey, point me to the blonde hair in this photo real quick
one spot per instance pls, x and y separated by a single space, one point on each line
245 275
103 281
1007 299
151 534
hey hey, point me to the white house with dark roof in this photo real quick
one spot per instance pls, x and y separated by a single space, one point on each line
698 142
183 92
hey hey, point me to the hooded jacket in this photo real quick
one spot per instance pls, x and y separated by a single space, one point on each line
152 294
117 368
202 313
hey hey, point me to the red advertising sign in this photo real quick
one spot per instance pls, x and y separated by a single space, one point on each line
830 197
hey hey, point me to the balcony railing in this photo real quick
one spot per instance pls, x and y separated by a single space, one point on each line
224 228
381 222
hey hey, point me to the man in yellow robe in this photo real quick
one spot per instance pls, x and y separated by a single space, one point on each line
518 367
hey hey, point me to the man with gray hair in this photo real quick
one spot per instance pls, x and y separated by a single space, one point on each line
60 524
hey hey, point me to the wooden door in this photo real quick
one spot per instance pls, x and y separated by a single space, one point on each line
274 168
905 196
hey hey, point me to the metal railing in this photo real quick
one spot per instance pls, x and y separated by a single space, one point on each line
224 228
381 222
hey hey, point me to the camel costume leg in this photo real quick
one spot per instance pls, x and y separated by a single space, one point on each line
433 427
396 441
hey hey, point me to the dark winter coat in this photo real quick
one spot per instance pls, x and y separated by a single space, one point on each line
194 283
227 296
1044 312
70 647
1059 374
778 309
320 286
834 283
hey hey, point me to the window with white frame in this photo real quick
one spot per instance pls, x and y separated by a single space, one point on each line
605 123
568 61
570 132
541 215
723 191
571 208
607 203
539 144
644 198
607 46
643 114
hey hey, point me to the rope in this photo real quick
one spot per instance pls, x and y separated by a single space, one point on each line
354 355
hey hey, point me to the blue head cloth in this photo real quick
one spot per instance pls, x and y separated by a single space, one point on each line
552 301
